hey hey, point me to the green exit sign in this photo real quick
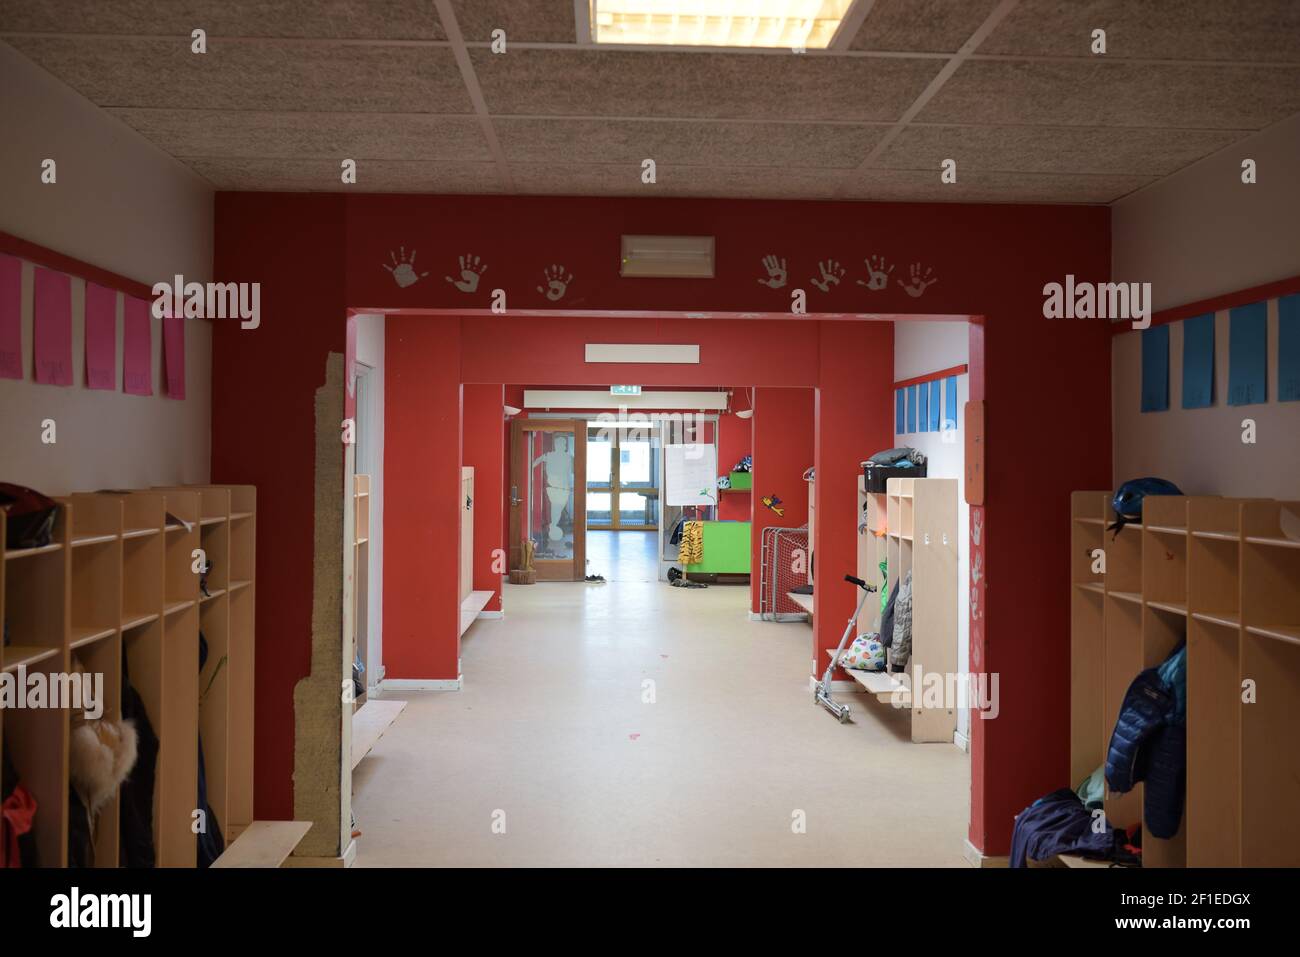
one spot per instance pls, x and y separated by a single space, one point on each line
625 390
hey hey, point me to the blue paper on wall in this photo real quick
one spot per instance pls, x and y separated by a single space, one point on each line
1198 362
1288 348
911 408
950 403
936 400
923 415
1155 369
1248 354
900 411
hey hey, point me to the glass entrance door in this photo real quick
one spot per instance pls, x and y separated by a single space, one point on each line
623 477
547 505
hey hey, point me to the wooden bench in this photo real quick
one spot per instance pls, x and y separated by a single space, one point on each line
264 844
369 723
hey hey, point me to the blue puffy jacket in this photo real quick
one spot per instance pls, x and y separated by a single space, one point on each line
1149 744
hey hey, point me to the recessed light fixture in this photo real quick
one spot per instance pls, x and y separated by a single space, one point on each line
803 24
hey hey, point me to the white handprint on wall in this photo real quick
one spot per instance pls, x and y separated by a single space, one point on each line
832 272
776 272
557 283
471 268
919 282
403 268
877 274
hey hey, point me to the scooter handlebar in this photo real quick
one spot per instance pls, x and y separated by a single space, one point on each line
859 582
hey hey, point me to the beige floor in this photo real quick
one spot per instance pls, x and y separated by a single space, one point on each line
551 729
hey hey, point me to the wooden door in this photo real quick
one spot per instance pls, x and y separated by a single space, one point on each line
548 496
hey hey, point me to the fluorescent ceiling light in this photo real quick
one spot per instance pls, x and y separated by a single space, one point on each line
806 24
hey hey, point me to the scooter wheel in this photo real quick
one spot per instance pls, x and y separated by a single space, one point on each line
844 715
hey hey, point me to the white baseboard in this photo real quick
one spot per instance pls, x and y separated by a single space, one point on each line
492 615
346 859
976 858
422 684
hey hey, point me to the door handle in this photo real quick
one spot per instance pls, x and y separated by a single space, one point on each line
514 496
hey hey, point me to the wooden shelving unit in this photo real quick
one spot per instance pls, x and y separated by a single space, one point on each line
361 574
919 520
116 588
1222 574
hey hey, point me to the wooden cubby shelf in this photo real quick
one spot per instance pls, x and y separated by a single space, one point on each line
1222 574
115 592
912 527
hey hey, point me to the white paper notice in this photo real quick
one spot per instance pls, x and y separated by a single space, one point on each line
691 474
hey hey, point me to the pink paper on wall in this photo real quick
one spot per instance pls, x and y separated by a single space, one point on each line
174 357
52 330
11 318
137 348
101 337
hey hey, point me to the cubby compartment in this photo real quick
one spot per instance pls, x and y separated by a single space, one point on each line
1123 550
102 661
1123 660
1270 759
240 721
1164 553
1213 822
214 700
37 742
162 665
1087 675
1163 632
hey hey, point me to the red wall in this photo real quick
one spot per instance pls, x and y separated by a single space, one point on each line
264 384
422 460
1047 387
784 420
483 439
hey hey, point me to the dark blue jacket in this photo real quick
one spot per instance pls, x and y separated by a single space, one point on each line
1149 744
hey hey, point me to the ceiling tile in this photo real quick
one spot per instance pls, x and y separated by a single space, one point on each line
1051 149
595 180
535 21
918 186
376 176
266 75
396 136
1098 93
670 84
1256 30
921 26
681 141
351 19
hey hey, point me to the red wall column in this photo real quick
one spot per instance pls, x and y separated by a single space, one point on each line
783 450
422 456
484 443
854 419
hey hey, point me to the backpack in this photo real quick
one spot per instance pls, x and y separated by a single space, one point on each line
30 514
1127 502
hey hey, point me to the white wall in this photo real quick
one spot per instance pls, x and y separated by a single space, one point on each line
1202 233
370 352
921 348
1200 450
120 204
